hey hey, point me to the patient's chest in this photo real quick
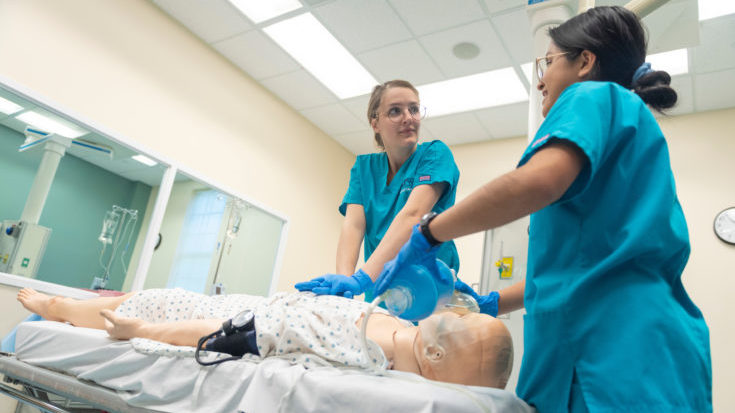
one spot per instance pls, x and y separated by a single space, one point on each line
314 330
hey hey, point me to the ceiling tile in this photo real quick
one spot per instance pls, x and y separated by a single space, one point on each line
334 119
682 84
362 25
406 60
717 48
456 129
358 107
492 55
494 6
256 54
311 92
714 90
211 20
428 16
515 32
505 121
358 143
672 26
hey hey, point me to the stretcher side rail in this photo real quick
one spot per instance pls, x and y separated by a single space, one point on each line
60 384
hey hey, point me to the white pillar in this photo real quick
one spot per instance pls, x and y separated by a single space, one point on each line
52 153
643 8
542 16
154 227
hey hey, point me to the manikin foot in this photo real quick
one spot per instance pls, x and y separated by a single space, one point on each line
121 328
36 302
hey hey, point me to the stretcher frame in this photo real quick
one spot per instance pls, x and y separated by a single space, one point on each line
38 383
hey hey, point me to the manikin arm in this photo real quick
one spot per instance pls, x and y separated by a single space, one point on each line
177 333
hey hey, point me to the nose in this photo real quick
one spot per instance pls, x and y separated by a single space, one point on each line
540 85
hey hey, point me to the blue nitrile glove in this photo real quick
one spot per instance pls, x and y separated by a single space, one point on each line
416 250
337 284
488 303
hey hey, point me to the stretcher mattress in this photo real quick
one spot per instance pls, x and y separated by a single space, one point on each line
178 384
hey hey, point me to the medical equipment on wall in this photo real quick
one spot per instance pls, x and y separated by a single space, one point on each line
236 207
117 229
22 245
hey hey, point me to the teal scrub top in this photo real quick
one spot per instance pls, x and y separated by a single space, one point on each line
608 320
431 162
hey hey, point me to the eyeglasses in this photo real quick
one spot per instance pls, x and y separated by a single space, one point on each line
542 63
395 113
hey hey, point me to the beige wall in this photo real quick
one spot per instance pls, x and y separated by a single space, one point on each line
702 148
127 66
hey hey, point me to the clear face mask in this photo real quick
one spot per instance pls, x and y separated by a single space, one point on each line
415 296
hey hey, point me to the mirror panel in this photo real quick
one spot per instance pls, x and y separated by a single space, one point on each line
96 177
212 242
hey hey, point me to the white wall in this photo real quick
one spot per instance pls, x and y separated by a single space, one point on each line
702 148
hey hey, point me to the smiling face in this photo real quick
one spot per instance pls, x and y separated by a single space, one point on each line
403 132
560 73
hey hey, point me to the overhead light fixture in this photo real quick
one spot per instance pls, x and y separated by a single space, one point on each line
709 9
144 160
311 44
483 90
51 124
674 62
262 10
7 107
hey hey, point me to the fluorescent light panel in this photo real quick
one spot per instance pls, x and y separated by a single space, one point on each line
49 124
483 90
7 107
307 41
144 160
262 10
709 9
675 62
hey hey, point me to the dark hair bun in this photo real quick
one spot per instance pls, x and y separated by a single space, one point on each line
654 89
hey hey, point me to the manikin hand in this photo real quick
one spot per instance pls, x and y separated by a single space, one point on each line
336 284
416 251
488 303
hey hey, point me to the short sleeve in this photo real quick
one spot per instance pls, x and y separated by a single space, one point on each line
581 116
437 165
354 190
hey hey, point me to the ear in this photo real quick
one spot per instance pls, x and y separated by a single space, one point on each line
587 61
374 124
434 352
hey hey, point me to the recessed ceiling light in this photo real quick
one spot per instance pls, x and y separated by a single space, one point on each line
262 10
494 88
311 44
674 62
144 160
466 50
7 107
709 9
49 123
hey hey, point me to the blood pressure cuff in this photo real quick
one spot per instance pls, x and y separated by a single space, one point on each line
235 344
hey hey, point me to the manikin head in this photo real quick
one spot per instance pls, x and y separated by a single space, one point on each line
473 349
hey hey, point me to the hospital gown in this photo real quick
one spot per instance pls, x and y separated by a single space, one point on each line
303 328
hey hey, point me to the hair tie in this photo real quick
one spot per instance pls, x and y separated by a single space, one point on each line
643 70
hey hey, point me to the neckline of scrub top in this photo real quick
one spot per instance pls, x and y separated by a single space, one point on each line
399 171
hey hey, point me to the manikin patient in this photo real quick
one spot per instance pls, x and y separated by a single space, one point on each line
472 349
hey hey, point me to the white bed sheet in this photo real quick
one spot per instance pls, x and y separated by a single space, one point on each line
179 384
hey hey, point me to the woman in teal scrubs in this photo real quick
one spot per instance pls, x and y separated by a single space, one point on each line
609 326
389 191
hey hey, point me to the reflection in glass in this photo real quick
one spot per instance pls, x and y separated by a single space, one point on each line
117 229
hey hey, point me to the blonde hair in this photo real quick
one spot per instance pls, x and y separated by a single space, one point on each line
377 96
